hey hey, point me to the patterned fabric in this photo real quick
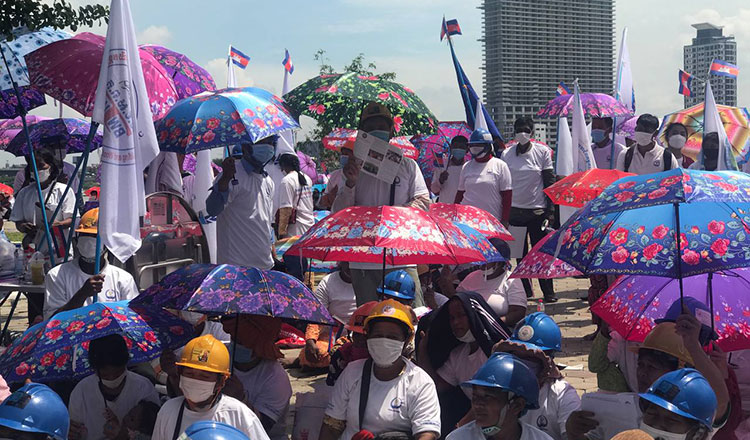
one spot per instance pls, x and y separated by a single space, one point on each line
579 188
225 289
315 265
434 149
337 100
345 137
476 218
57 348
68 132
30 98
189 78
538 264
222 118
480 243
597 105
24 41
9 128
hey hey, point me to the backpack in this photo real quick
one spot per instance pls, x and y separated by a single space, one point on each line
665 158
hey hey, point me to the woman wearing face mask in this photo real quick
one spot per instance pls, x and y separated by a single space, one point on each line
204 368
387 393
676 135
445 182
336 179
242 200
103 399
295 215
502 391
708 158
646 157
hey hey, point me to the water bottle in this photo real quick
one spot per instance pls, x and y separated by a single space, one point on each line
540 306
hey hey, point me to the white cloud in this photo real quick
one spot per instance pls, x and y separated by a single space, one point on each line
154 35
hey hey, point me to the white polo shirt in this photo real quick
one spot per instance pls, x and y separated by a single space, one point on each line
557 400
649 163
526 171
482 183
293 195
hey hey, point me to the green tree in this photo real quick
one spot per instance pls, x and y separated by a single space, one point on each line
35 14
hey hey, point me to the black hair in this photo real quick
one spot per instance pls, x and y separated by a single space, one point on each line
48 157
459 138
524 121
648 121
110 350
608 121
148 416
672 126
711 137
290 162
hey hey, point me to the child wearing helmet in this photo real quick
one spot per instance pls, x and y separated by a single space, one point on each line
34 412
353 350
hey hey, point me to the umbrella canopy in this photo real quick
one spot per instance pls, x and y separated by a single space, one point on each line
626 128
222 118
633 303
434 149
68 71
405 235
225 289
579 188
537 264
736 121
597 105
316 266
9 128
337 100
307 166
68 133
23 42
345 138
57 348
476 218
479 242
189 78
30 98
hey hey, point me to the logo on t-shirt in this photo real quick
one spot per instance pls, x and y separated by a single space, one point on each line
396 404
657 162
110 294
542 422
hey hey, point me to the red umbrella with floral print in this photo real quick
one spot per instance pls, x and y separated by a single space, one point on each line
578 189
537 264
345 137
476 218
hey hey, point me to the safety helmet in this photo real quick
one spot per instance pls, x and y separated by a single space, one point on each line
697 309
392 310
508 373
538 331
398 284
89 222
663 338
684 392
356 322
375 110
210 430
36 408
206 353
480 136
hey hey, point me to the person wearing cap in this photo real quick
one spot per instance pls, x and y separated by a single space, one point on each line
34 412
534 342
75 284
502 391
445 184
354 349
387 393
213 431
242 200
204 369
100 402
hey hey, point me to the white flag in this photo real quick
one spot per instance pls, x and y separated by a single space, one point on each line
583 157
712 124
624 91
204 177
565 163
129 143
479 121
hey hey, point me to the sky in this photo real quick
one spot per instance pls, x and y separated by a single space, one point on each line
403 36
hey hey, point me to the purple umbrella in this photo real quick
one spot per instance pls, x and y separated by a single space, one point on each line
9 128
189 78
30 98
626 128
307 166
69 133
434 149
597 105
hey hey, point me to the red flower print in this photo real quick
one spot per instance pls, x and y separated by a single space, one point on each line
320 109
652 250
660 232
408 90
397 121
53 323
163 135
626 185
716 227
212 123
669 181
85 345
103 323
586 235
249 113
383 96
333 89
618 236
624 196
209 136
567 235
74 326
120 316
149 336
592 246
238 128
659 192
54 335
691 257
720 246
22 369
687 188
129 343
727 186
235 115
47 359
277 122
259 123
712 176
62 360
169 123
620 255
683 241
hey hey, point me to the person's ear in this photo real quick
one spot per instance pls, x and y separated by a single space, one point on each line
516 406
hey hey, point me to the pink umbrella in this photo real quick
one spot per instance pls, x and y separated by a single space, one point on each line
345 137
475 218
68 70
307 166
537 264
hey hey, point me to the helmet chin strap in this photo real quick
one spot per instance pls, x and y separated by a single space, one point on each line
491 431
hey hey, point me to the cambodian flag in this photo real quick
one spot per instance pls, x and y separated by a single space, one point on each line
562 89
238 58
449 28
686 80
287 63
722 68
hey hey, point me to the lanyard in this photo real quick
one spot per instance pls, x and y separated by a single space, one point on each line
179 421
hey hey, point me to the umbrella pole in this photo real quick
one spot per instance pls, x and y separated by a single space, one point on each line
677 250
383 277
612 147
79 193
711 297
234 341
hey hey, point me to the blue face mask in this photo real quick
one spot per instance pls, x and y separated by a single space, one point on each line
343 160
458 153
241 354
263 153
598 135
383 135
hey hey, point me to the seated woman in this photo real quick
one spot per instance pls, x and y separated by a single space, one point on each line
387 394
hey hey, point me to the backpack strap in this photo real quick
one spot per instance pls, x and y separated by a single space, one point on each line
364 390
629 158
666 157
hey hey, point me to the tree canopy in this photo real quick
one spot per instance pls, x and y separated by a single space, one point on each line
35 14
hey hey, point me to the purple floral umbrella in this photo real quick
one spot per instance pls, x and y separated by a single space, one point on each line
225 289
434 149
189 78
70 133
597 105
9 128
626 128
30 98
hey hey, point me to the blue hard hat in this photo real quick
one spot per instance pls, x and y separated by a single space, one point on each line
398 284
209 430
36 408
508 373
538 331
480 136
684 392
697 309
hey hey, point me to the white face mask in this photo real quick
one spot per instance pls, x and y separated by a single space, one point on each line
642 138
491 431
385 352
114 383
677 141
44 174
523 138
467 337
658 434
196 391
87 247
477 151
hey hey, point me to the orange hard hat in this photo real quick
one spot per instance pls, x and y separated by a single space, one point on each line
356 322
89 222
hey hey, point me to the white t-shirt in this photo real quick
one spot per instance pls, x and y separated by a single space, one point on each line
447 190
26 209
482 183
526 171
337 296
603 155
462 365
649 163
64 280
556 402
268 390
275 173
293 195
408 403
67 169
499 292
227 410
472 431
243 228
87 402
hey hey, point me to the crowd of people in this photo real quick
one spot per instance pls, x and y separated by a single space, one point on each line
419 352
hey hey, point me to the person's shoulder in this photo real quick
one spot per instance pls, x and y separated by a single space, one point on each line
415 373
466 431
229 404
533 433
65 267
88 382
172 405
114 270
560 386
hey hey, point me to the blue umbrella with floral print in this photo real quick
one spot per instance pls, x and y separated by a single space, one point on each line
67 133
57 348
225 289
222 118
480 243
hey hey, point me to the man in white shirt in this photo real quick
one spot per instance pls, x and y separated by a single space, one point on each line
242 200
646 157
601 135
75 284
336 179
445 184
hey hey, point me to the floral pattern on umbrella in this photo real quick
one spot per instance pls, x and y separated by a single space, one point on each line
537 264
434 149
337 100
30 98
68 132
476 218
597 105
345 137
579 188
9 128
57 348
24 41
189 78
489 252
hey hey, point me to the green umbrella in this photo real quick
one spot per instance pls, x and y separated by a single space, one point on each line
337 100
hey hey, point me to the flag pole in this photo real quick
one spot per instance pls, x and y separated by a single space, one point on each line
461 84
79 193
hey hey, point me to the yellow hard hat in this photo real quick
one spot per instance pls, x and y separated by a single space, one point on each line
89 222
665 339
393 310
206 353
374 110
